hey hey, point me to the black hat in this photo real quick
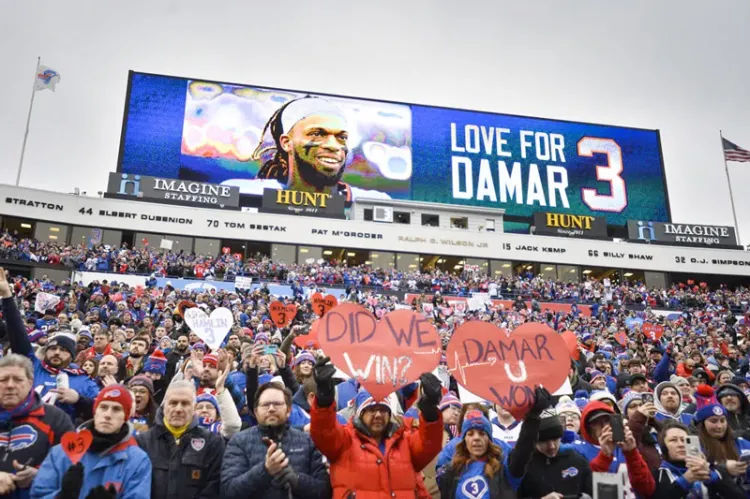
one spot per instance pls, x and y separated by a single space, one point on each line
637 376
64 341
550 428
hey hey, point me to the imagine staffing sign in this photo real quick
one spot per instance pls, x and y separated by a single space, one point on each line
566 225
683 234
173 191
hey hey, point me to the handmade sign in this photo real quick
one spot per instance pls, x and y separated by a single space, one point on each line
571 341
632 322
282 315
45 301
213 329
309 341
322 304
75 444
505 368
622 338
382 355
427 308
653 331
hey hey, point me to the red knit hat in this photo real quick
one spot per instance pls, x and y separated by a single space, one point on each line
211 359
116 393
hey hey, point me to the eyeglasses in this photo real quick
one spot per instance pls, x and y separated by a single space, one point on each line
268 405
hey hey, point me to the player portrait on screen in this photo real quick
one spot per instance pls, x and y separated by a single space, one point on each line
309 149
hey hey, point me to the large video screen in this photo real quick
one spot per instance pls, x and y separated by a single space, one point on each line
258 138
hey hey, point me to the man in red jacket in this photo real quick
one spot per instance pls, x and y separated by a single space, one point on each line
372 457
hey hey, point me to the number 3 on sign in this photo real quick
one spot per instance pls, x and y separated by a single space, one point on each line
617 200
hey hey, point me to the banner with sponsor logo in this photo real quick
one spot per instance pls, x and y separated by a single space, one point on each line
258 138
566 225
164 219
311 204
682 234
173 191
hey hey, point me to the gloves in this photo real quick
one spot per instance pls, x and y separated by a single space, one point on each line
99 492
72 481
431 395
542 401
287 478
325 388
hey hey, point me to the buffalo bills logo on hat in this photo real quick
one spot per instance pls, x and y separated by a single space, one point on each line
112 394
197 444
718 411
570 472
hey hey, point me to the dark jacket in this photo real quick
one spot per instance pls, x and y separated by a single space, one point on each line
31 435
671 485
243 473
190 468
567 473
739 422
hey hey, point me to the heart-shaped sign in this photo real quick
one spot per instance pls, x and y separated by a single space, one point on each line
380 313
282 315
571 341
309 341
75 444
622 338
505 368
382 355
322 304
653 331
213 329
427 308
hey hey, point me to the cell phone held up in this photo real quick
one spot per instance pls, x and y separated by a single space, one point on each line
647 398
618 428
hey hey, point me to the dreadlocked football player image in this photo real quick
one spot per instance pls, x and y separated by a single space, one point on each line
310 137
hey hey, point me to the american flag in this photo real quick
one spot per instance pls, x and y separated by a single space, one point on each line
733 152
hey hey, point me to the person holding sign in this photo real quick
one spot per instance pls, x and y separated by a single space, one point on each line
372 456
102 460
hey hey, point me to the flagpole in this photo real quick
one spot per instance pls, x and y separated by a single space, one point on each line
28 123
729 184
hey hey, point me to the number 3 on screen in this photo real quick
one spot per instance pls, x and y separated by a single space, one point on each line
617 200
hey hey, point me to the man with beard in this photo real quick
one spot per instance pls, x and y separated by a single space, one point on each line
177 356
208 373
55 370
737 406
668 403
310 137
134 363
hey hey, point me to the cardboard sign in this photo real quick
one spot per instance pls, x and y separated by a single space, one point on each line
213 329
653 331
45 301
75 444
427 308
282 315
309 341
505 368
622 338
571 341
382 355
322 304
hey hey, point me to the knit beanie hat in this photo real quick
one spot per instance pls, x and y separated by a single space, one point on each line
627 399
364 400
475 420
597 374
304 356
116 393
36 335
211 399
678 380
65 341
156 363
261 338
565 405
581 398
707 405
449 400
211 360
143 381
550 426
199 346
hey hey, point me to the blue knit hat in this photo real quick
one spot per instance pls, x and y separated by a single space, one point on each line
707 405
475 420
199 346
449 400
364 400
304 356
156 363
207 397
627 399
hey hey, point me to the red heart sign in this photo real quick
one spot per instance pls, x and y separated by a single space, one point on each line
382 355
321 304
571 341
653 331
309 341
622 338
282 315
506 368
75 444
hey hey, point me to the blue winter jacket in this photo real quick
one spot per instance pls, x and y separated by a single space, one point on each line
125 466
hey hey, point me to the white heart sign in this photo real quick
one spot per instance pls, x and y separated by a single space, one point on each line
211 329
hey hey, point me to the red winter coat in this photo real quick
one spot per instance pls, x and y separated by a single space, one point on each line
358 468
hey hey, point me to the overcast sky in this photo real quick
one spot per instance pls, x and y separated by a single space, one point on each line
681 66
